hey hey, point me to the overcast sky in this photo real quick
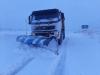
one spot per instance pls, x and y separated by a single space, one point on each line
78 12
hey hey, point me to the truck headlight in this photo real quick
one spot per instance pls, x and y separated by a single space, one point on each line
57 34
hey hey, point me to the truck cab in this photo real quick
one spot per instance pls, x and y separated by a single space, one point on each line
48 23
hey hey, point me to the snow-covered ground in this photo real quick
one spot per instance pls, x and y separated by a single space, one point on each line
79 55
15 59
83 54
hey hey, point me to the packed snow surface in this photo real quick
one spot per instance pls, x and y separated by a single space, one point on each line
79 55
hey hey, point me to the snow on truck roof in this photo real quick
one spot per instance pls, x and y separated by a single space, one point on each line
46 14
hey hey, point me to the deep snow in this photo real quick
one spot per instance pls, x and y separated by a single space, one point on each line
79 55
16 59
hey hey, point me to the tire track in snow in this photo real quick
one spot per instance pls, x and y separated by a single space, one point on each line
62 61
20 66
24 57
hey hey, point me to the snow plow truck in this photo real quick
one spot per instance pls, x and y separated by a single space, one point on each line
46 25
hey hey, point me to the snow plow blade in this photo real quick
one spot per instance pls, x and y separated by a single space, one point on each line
34 40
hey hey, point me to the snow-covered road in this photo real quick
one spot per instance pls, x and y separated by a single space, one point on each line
24 60
83 54
80 55
11 58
